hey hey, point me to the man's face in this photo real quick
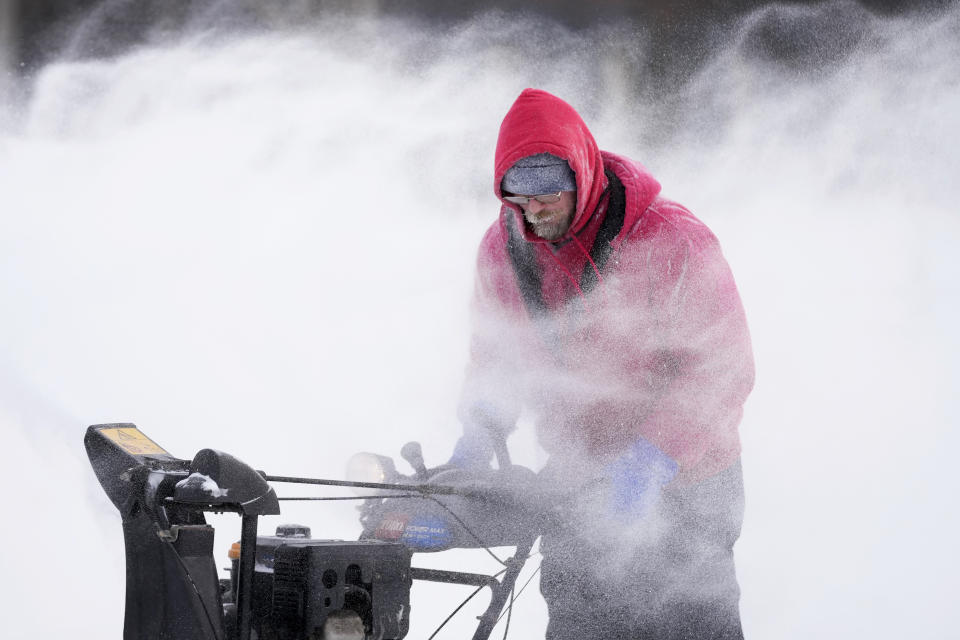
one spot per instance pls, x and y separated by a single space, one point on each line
551 221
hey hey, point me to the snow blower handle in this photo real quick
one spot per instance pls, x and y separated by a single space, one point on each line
499 441
413 454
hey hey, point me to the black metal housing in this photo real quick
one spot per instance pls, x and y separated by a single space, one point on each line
172 585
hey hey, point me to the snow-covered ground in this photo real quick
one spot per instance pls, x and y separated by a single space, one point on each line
262 242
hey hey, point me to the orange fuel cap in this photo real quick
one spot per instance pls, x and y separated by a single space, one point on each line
234 553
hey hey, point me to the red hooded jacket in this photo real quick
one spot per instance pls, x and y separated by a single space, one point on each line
657 349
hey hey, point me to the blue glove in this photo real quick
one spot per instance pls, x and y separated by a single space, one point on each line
638 476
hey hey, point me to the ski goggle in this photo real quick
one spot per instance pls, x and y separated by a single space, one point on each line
546 198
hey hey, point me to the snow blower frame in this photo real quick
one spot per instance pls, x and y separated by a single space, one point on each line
287 586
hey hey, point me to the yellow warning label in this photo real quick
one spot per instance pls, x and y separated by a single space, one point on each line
133 442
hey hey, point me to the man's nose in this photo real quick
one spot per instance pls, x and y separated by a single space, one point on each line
534 206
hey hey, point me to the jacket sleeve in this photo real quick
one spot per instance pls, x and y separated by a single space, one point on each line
696 361
489 399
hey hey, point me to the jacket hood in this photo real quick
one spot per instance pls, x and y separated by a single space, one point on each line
540 122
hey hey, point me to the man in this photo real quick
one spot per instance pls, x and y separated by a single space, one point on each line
608 314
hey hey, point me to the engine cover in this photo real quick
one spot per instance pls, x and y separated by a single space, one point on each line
313 579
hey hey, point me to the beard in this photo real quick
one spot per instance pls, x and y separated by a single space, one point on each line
549 225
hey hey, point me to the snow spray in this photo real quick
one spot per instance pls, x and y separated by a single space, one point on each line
261 239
